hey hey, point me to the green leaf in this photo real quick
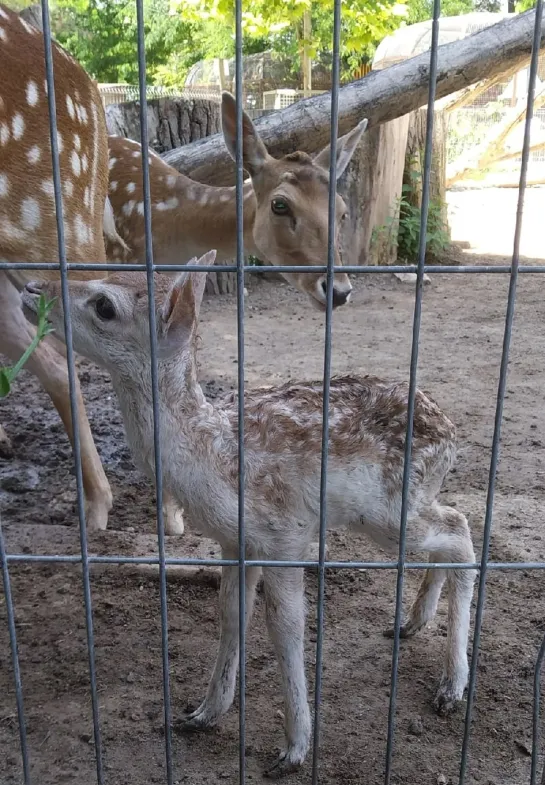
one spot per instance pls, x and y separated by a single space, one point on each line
5 385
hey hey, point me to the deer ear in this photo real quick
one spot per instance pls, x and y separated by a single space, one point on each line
199 279
179 312
254 152
346 146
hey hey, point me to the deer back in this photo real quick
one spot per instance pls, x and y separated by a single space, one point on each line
28 230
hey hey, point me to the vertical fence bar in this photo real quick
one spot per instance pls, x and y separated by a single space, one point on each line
240 383
72 383
15 659
535 715
502 383
335 74
154 385
412 387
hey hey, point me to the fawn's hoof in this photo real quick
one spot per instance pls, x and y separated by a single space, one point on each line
407 630
285 764
448 698
174 520
199 720
96 516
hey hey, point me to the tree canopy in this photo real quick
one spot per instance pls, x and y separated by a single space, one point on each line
101 34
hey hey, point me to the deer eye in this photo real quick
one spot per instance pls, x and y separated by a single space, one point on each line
104 309
280 207
344 216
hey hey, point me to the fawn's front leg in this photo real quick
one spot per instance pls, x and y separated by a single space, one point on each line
285 613
221 689
173 515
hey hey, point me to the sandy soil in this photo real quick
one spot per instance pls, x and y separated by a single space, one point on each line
461 339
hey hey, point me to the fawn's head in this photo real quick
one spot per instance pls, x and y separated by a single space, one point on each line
292 196
110 316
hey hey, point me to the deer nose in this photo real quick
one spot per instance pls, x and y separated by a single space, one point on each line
340 295
34 287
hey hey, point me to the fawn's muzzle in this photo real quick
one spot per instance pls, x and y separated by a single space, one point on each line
34 287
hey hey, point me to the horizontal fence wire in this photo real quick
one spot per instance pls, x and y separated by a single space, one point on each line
173 561
242 563
435 269
167 717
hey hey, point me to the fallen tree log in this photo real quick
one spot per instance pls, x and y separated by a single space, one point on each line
380 96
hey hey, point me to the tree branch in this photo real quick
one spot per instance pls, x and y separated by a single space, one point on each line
380 96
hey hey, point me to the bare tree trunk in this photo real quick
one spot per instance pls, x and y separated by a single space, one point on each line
414 161
172 122
380 96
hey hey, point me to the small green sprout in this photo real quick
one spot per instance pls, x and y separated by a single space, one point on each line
7 375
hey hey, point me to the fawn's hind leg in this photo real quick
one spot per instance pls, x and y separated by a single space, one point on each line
444 533
450 541
424 607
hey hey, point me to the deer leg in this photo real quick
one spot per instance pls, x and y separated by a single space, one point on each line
424 607
444 533
285 614
49 366
173 515
460 583
221 689
6 449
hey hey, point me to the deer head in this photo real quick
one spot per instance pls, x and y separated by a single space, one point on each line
292 198
285 208
110 317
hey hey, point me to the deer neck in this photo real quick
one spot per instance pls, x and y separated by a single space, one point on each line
208 218
192 423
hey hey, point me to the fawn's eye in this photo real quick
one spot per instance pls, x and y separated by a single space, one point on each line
104 309
280 207
344 216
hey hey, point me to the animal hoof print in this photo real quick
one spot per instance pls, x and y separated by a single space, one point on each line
281 767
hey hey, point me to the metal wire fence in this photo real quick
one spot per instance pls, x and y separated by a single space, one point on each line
401 564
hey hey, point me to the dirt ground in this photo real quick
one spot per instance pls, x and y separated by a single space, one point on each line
462 328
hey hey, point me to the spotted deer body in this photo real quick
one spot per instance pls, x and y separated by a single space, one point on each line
285 207
28 229
282 436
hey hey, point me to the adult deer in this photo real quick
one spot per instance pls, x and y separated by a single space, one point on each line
285 214
28 229
285 207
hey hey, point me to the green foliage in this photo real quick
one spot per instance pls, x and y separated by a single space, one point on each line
410 215
278 24
102 35
7 375
401 230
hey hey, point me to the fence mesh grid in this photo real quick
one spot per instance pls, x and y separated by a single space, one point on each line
242 563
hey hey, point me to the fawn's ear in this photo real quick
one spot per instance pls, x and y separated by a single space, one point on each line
254 152
346 146
179 312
